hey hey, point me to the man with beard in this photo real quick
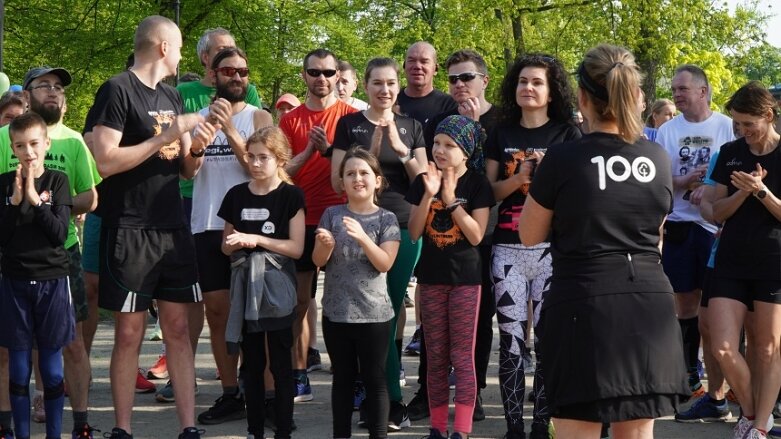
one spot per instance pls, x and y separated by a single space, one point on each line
224 166
310 129
44 89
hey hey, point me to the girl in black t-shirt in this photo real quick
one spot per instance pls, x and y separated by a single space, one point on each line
397 142
265 214
450 211
611 344
746 275
536 91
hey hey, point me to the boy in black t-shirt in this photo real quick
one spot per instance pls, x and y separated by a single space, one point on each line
34 292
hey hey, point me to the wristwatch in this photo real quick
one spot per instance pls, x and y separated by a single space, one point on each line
762 193
196 155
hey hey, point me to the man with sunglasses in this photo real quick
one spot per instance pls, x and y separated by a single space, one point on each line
44 89
310 128
224 166
419 99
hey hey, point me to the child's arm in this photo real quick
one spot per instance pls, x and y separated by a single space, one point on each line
292 247
381 256
52 218
472 226
432 180
324 247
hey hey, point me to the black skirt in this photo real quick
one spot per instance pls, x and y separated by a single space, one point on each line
612 358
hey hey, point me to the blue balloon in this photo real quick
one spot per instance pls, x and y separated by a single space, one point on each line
15 88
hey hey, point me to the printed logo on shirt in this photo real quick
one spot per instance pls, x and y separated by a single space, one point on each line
359 130
618 169
440 227
45 196
164 119
734 162
268 228
248 214
693 152
402 131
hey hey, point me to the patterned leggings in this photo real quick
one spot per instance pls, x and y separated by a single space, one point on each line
519 273
449 314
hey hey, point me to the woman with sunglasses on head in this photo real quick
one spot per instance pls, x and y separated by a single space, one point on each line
746 272
611 345
397 142
537 106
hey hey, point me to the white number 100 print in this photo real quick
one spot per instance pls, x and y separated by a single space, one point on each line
641 168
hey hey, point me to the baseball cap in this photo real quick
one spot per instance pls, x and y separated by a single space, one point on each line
289 99
37 72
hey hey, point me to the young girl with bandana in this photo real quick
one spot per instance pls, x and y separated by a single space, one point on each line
450 204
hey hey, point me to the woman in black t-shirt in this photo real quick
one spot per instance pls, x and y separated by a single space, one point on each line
611 345
747 273
397 142
537 94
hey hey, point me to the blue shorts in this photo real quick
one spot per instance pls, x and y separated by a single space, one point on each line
91 243
685 257
36 310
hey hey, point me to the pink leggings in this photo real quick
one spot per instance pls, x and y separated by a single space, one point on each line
449 315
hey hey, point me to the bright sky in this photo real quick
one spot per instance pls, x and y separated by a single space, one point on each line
773 26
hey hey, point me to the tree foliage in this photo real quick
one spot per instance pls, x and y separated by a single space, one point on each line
92 38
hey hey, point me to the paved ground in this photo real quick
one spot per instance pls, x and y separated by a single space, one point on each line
154 420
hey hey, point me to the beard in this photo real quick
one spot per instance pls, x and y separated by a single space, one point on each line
50 114
225 91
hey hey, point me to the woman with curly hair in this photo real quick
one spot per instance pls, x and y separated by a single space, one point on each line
537 103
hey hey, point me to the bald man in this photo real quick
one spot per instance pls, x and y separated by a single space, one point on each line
419 99
141 145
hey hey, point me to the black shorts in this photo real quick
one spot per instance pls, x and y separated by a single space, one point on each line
305 263
78 290
214 267
139 265
747 291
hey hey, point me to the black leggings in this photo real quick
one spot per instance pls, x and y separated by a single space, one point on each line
253 347
349 344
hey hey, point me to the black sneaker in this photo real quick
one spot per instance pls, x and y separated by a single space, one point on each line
515 431
117 433
539 431
479 414
191 433
225 408
271 417
82 432
417 408
313 360
398 417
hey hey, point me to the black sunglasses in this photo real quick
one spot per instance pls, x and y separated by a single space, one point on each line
317 72
463 77
230 71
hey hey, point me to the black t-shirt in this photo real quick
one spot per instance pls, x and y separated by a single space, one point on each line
750 244
356 129
608 200
33 238
508 145
424 108
447 257
488 122
268 215
146 196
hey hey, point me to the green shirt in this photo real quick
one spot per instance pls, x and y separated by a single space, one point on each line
67 154
197 96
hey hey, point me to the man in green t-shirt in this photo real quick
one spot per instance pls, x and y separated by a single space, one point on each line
44 88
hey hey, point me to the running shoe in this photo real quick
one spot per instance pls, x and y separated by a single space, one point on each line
359 395
417 408
313 361
478 414
117 433
303 390
157 333
435 434
225 408
6 433
39 411
398 417
402 378
539 431
408 302
191 433
83 432
159 371
143 385
742 428
167 394
413 348
755 434
705 410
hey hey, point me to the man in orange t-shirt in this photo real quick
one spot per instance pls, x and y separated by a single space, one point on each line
310 128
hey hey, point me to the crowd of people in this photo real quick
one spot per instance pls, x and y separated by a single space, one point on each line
628 245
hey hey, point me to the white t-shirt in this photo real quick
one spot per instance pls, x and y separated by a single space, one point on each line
358 104
220 171
690 145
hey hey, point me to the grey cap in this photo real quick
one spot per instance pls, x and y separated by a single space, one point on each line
37 72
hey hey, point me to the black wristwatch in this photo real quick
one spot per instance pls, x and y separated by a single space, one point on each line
196 155
761 194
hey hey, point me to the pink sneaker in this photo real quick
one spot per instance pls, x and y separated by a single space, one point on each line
143 385
159 371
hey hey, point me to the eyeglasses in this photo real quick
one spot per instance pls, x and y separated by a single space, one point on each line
57 89
317 72
262 158
463 77
230 71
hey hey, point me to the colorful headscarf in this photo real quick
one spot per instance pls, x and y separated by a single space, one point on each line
469 135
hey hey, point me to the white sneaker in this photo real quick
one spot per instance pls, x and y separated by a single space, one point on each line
756 434
742 428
